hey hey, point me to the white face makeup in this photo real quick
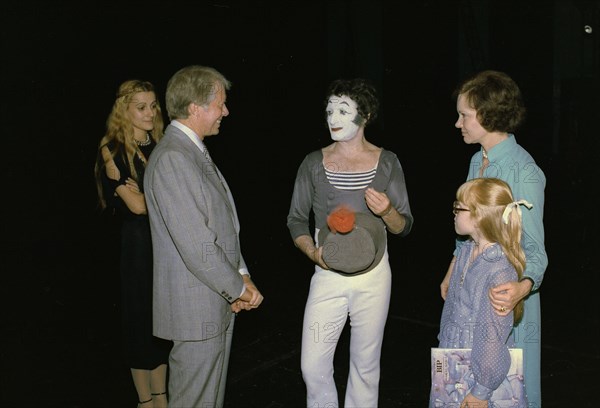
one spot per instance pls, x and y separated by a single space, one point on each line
342 116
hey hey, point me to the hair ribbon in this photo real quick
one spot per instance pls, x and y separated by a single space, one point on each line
512 206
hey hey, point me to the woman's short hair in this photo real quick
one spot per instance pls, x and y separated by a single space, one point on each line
497 99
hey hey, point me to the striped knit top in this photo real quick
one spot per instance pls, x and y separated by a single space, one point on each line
351 180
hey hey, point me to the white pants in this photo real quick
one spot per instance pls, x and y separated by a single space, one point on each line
331 299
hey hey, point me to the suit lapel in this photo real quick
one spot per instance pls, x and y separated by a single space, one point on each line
208 168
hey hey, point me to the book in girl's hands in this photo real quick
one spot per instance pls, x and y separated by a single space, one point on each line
452 378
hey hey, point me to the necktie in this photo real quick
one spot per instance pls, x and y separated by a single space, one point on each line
205 151
214 167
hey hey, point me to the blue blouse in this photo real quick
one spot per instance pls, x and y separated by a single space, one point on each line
468 318
513 164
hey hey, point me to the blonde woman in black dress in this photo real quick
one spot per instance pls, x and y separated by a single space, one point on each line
134 126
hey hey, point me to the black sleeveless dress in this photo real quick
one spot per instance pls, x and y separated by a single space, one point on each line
142 349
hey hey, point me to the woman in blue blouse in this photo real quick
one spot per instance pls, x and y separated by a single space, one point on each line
490 107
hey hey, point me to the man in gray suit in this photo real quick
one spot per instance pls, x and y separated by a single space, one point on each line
200 277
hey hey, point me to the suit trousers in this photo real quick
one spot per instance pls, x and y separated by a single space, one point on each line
198 371
331 300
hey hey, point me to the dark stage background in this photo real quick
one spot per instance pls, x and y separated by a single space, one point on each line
62 64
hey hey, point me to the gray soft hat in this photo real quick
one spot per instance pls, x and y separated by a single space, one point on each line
357 251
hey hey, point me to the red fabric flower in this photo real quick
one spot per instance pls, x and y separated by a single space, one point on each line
341 220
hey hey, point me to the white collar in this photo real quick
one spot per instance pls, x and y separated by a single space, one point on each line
190 133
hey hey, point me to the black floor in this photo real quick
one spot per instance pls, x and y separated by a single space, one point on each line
61 340
59 296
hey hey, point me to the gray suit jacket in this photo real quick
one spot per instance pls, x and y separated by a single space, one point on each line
195 239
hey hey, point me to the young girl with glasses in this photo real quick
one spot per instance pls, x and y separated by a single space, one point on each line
486 213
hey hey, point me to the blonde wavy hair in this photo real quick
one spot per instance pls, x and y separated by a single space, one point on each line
119 131
487 198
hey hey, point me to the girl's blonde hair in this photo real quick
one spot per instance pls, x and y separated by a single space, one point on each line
119 131
487 198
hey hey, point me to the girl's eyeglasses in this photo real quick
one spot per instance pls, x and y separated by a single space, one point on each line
456 209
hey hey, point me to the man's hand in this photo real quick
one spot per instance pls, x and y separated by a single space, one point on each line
250 299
